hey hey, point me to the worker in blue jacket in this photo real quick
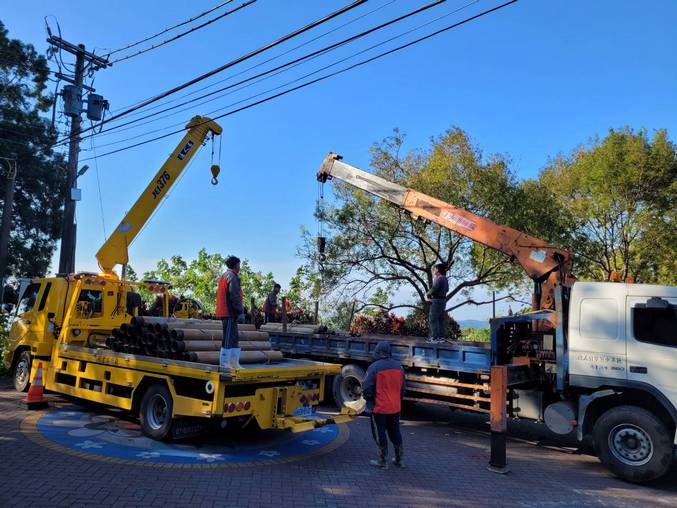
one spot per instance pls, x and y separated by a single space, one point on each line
383 389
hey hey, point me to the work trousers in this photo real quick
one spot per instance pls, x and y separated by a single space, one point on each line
436 319
231 337
270 317
386 424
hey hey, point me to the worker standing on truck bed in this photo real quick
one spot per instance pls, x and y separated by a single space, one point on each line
383 389
270 305
231 311
437 296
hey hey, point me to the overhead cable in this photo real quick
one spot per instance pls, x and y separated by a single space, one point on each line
169 29
290 50
322 78
223 67
183 34
288 64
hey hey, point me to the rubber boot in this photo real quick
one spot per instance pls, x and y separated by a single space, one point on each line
382 461
235 358
399 453
224 358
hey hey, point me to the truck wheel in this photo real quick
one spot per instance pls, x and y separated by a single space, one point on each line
22 371
633 443
156 412
347 388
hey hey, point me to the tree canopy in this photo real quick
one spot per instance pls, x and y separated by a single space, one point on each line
618 195
25 135
198 278
373 245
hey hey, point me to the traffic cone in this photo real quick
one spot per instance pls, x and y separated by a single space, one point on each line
34 398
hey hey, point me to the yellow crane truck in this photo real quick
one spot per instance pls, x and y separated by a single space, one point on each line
62 322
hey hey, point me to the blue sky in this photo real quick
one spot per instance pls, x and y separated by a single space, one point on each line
531 81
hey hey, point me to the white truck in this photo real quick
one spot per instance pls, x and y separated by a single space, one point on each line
597 358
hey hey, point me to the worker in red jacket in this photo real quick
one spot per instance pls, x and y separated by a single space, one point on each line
230 310
383 389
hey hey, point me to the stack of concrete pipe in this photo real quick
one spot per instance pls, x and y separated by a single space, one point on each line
194 340
294 328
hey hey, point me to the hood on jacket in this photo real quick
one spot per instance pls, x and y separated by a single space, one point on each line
383 350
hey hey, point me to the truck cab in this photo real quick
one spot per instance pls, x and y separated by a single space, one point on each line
603 364
622 373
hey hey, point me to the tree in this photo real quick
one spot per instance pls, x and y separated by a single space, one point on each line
27 136
619 193
198 278
372 244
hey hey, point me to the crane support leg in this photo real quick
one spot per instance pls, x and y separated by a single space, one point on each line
498 419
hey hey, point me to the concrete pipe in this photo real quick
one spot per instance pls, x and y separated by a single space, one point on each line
246 357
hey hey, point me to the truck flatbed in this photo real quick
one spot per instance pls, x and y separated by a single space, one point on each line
456 356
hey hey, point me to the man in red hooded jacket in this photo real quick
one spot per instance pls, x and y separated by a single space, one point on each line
383 389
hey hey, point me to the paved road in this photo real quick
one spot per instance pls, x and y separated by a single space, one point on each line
446 459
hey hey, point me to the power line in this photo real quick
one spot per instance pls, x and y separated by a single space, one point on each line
400 35
169 29
238 60
288 64
290 50
187 32
326 76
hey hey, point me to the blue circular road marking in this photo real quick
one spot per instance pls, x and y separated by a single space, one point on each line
105 435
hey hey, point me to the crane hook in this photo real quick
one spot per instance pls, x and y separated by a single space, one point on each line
215 173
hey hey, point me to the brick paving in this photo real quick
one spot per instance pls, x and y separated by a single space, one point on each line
446 462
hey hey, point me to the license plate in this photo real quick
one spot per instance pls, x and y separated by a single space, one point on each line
303 411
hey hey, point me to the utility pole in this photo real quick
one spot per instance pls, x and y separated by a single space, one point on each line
6 221
72 94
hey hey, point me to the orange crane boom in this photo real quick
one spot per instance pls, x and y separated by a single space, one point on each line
546 264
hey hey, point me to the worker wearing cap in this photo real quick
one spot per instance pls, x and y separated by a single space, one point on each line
383 389
437 296
230 309
270 305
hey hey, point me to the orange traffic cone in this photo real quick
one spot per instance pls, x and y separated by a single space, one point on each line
34 397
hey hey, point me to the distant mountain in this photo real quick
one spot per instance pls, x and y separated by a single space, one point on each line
473 323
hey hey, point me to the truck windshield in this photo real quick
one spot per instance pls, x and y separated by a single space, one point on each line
28 299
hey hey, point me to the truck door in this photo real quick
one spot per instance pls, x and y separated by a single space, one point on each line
652 343
32 321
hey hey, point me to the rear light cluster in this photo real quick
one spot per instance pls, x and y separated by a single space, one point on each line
309 398
240 406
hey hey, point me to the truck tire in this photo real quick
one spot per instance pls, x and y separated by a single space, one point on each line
633 443
22 371
156 412
347 388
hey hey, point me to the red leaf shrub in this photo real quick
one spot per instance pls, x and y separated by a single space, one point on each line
387 323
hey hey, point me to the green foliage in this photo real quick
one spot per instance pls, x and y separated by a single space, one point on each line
198 278
305 288
619 195
4 339
25 135
476 334
372 244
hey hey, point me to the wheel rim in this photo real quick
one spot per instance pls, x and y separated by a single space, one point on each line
157 412
630 444
22 370
351 389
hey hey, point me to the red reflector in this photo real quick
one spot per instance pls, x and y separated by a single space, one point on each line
240 405
247 405
231 407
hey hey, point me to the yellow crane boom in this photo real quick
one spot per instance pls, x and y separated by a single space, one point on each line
114 251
